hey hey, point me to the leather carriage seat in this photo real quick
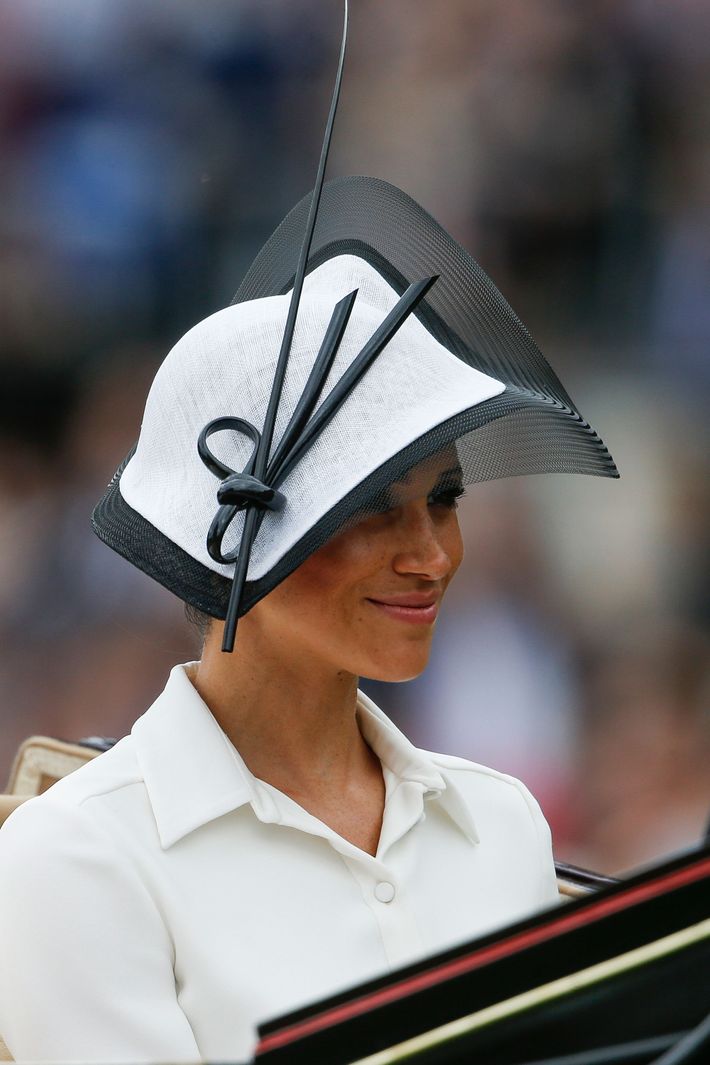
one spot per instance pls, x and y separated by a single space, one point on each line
41 761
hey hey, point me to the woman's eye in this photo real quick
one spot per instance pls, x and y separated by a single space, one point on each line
446 497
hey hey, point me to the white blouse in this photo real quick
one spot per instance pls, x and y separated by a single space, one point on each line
161 901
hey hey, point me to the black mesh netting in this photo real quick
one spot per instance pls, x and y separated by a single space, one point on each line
532 427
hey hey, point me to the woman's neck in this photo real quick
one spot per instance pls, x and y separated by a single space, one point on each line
292 718
293 721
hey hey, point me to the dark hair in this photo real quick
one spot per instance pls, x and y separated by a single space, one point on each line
198 620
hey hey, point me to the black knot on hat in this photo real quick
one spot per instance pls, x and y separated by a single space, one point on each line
236 490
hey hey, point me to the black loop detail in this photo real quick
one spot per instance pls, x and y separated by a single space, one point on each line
213 464
242 488
236 490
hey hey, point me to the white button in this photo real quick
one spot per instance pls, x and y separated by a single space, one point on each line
384 891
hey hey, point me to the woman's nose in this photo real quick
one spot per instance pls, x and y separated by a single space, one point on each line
425 547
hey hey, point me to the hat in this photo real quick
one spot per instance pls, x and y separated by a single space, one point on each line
399 349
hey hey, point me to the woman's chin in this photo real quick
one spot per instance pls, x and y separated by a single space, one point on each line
398 667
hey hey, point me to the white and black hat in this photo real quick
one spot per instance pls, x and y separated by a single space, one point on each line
389 345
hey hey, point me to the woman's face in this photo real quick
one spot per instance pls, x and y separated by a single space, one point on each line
367 601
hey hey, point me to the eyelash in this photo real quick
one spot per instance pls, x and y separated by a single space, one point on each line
448 498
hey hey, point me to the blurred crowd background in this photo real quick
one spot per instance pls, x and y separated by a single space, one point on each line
148 149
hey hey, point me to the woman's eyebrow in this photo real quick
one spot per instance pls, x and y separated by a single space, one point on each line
453 475
453 471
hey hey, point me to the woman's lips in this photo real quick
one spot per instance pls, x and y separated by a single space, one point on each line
408 610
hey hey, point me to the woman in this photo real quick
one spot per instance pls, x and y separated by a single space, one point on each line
265 836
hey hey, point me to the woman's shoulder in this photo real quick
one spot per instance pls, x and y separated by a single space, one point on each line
475 771
505 814
74 806
486 792
486 788
464 768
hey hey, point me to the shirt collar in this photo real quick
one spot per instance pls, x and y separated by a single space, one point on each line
193 774
411 763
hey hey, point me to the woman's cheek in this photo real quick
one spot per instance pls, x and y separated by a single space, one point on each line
354 555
